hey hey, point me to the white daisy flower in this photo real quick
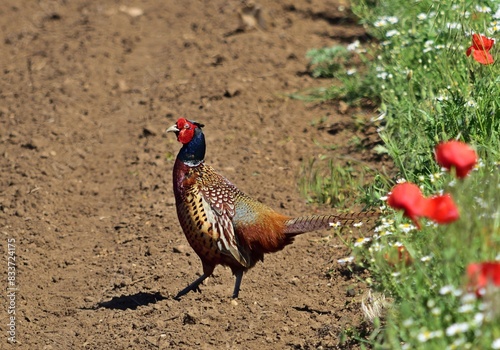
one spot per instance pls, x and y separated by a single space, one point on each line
406 228
470 104
457 328
457 344
453 25
448 289
392 19
353 46
436 311
426 335
376 247
441 98
468 298
361 241
386 233
380 23
494 27
384 75
346 260
408 322
478 319
426 258
392 33
351 71
466 308
483 9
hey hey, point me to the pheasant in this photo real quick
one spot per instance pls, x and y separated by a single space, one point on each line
223 225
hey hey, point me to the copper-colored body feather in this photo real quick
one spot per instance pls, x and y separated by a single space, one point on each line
223 225
212 211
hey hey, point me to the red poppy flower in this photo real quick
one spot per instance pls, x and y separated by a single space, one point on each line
458 155
481 275
408 197
480 49
441 209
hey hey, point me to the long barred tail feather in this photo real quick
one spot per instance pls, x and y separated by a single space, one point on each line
305 224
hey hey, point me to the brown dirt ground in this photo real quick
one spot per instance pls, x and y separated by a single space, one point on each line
85 184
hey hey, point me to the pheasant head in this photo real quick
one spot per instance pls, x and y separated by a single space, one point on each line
191 136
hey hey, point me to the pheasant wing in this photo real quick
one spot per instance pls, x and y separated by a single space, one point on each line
219 205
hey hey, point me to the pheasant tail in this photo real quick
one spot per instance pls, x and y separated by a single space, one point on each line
305 224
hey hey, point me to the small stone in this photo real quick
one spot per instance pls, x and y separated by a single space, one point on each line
251 17
122 85
145 185
343 107
132 11
182 249
120 225
35 144
233 89
151 250
188 319
234 302
149 130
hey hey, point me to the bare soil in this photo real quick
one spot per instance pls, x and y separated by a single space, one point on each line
86 90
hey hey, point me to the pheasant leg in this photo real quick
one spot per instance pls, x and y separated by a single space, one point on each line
237 284
195 286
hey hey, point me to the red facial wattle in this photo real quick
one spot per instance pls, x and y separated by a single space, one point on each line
186 130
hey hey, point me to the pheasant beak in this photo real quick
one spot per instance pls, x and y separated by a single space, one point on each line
173 128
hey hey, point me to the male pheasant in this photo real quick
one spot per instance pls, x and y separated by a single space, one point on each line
223 225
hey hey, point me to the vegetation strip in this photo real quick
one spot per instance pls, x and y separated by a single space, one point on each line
435 257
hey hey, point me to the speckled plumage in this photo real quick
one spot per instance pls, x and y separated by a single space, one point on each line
223 225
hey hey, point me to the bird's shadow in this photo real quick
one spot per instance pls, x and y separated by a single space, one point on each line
131 302
312 311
